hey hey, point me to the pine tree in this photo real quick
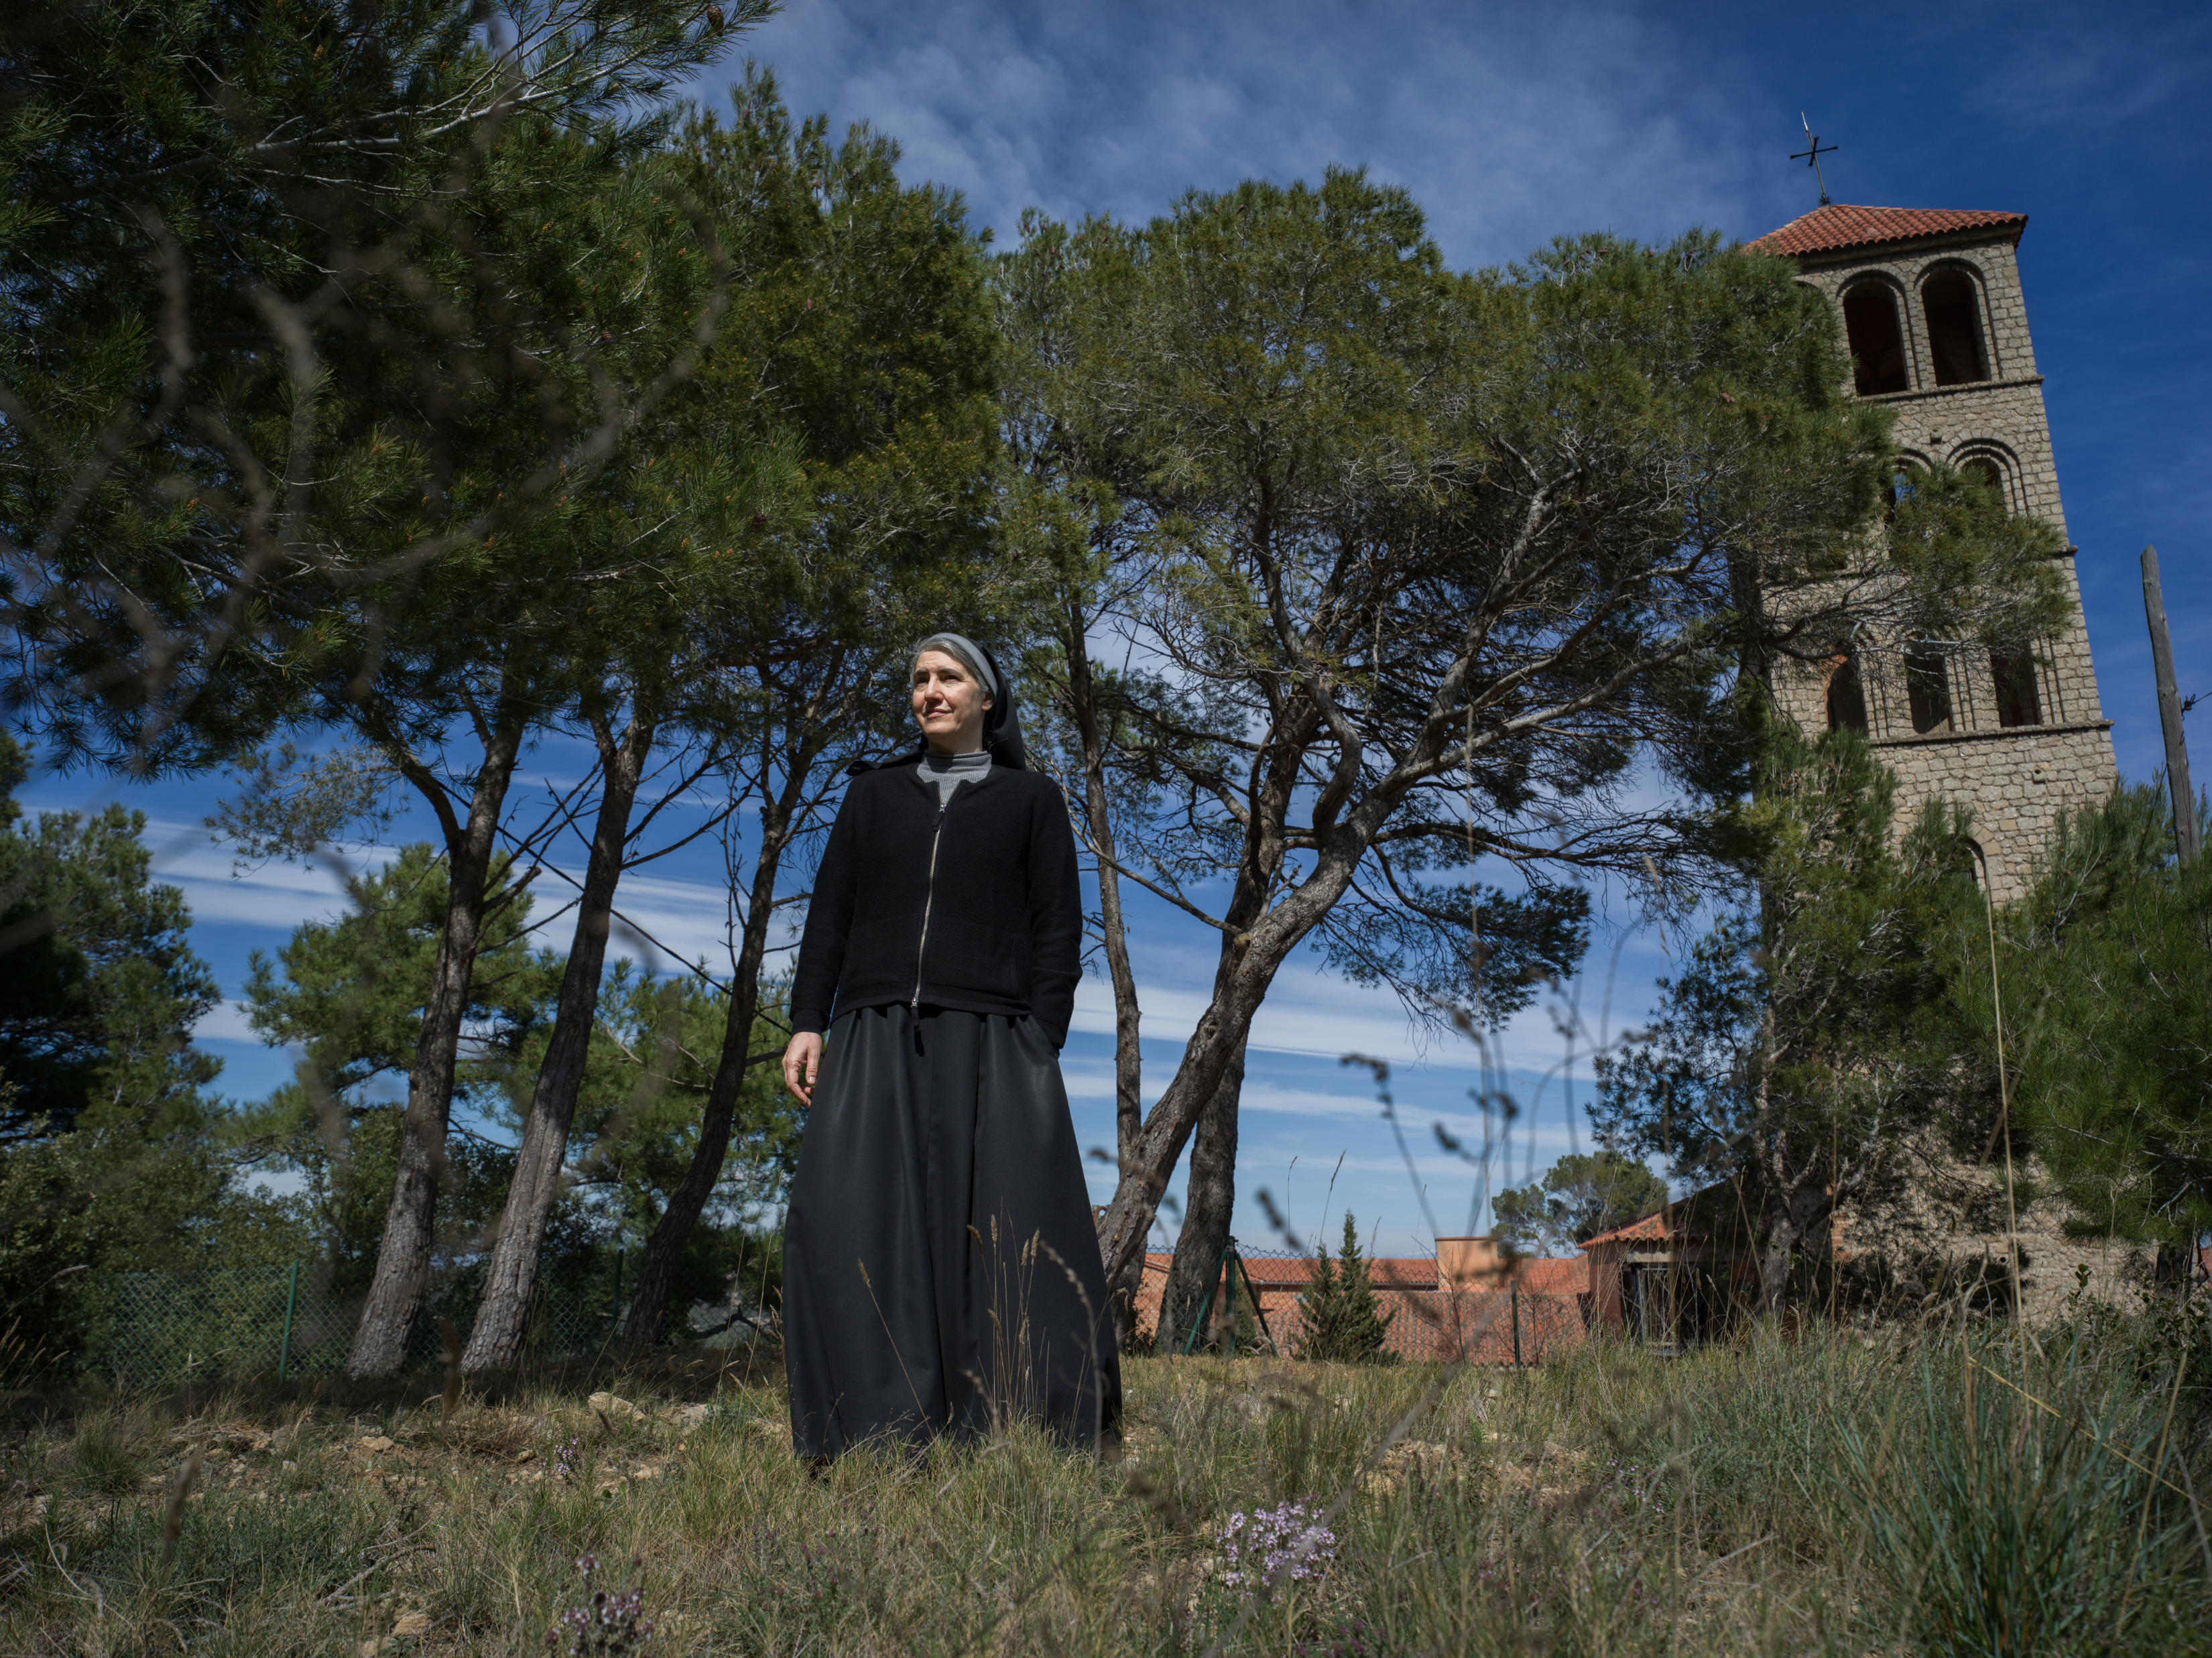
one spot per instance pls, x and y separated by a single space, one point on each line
1345 1323
114 1156
347 994
99 989
1583 1195
1437 578
2104 963
863 352
1810 1035
272 278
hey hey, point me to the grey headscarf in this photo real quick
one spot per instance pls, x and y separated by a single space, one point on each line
1002 727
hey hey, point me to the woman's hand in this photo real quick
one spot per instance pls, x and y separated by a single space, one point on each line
802 1063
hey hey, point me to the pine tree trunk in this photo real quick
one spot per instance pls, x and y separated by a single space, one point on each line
1774 1252
1781 1239
1128 1059
1248 962
1255 940
403 1257
511 1279
1195 1272
1792 1222
656 1272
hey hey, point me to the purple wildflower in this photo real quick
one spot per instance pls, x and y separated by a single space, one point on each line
1271 1546
608 1623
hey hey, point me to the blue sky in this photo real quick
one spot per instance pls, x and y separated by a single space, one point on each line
1512 124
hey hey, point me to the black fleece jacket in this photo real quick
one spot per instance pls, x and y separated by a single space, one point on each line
997 927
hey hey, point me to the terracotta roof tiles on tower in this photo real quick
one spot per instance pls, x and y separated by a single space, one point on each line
1836 226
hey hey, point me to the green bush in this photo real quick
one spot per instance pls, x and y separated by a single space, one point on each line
1344 1322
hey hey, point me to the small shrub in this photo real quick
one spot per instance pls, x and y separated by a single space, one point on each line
1344 1322
607 1623
2146 1343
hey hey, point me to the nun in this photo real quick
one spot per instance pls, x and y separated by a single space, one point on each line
941 1271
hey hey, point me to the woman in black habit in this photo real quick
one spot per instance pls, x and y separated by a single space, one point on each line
941 1273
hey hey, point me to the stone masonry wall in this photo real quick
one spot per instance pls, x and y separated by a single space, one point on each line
2016 779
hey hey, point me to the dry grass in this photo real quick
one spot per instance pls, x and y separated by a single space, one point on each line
1616 1503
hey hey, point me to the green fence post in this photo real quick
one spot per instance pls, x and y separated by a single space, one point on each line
1516 1325
1190 1340
1258 1308
614 1313
1228 1265
291 1301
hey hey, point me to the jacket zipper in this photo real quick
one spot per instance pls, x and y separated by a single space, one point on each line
928 899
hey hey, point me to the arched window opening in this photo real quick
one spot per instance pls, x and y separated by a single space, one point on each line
2019 702
1927 688
1955 327
1877 343
1983 470
1970 859
1846 697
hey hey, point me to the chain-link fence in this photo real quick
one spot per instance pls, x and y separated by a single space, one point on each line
1258 1305
161 1329
1494 1327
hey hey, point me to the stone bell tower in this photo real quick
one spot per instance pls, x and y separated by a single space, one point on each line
1937 329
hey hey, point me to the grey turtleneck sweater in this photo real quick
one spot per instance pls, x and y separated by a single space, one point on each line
949 771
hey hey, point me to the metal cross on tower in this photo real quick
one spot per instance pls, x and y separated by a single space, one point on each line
1811 155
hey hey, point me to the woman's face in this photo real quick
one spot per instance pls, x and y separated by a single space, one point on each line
948 703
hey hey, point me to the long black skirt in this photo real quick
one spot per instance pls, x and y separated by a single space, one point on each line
941 1270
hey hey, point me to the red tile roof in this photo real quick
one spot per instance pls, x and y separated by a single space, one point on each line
1836 226
1553 1278
1649 1229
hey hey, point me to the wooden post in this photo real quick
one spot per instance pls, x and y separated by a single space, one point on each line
2186 839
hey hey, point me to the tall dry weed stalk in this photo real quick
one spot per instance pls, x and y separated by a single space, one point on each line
172 1516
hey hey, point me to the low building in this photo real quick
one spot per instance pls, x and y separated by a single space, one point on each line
1685 1273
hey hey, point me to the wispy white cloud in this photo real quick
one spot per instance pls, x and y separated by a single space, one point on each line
225 1022
1509 123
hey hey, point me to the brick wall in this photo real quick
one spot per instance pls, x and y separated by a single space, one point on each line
1537 1312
